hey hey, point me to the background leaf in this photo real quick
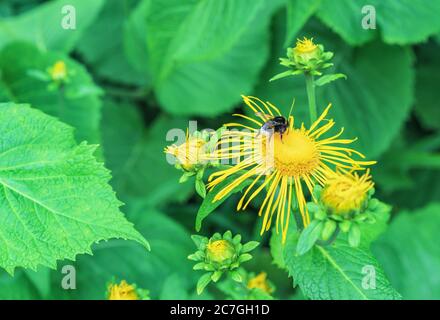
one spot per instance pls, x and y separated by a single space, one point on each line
410 255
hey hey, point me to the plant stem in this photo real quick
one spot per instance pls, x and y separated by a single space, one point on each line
310 86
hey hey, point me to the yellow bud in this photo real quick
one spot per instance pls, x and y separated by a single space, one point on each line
346 191
260 282
58 71
122 291
188 154
306 49
220 251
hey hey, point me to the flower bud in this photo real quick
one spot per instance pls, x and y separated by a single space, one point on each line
220 251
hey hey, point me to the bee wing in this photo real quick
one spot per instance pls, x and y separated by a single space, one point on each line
264 116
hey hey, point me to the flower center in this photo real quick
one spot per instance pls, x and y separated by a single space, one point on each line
345 194
305 46
294 155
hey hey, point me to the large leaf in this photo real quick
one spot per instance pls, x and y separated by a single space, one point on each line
102 44
203 54
336 272
77 103
371 104
170 246
298 12
399 22
135 155
427 93
410 253
54 196
42 25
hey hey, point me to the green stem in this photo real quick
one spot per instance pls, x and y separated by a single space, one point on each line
310 86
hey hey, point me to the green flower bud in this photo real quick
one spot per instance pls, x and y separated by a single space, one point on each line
220 251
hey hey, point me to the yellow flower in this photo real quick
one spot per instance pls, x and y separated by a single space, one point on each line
122 291
58 71
220 250
306 49
300 157
188 154
260 282
305 46
346 191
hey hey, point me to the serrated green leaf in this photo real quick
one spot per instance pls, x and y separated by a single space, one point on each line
123 260
337 272
53 193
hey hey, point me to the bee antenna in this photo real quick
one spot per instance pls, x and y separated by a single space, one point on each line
291 107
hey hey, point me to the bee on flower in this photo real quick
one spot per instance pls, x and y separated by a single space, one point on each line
297 161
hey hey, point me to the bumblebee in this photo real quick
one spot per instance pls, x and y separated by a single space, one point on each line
277 124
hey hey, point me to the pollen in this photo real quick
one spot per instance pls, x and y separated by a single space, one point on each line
305 46
295 154
345 191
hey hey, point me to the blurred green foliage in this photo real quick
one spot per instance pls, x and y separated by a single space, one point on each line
144 67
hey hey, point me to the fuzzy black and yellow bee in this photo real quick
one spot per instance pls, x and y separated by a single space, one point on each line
273 124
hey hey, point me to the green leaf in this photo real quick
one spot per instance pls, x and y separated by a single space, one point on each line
216 44
383 72
337 271
427 93
325 79
203 282
410 254
134 153
298 12
309 236
123 260
420 20
102 45
354 235
42 25
249 246
276 250
208 206
350 26
77 103
200 188
54 196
